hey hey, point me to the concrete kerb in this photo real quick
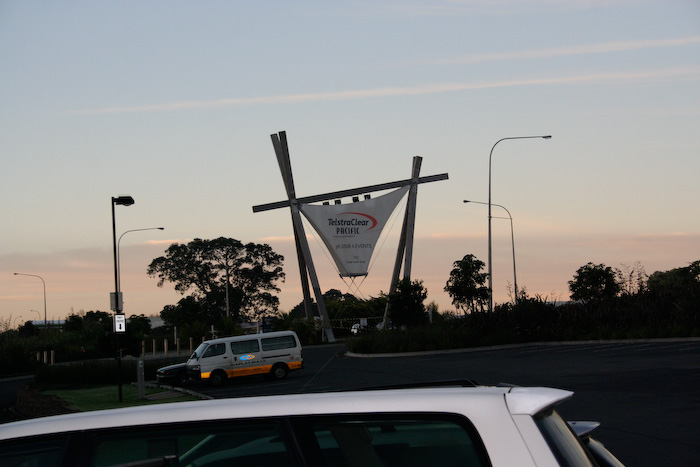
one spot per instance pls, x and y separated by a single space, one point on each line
524 345
176 389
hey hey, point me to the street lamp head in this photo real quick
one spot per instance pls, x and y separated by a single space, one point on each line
123 200
160 228
466 201
547 137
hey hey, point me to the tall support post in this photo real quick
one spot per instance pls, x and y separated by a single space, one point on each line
405 248
279 142
306 267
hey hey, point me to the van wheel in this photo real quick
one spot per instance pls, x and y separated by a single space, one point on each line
217 378
279 371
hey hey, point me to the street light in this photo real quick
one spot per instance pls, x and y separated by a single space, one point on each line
121 201
512 241
119 270
15 321
43 282
490 256
116 302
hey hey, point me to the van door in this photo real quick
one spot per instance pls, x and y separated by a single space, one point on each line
214 358
247 359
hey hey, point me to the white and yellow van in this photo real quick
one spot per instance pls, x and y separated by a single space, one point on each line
272 353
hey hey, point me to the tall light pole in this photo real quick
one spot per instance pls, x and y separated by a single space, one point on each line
46 323
117 299
119 270
490 256
512 241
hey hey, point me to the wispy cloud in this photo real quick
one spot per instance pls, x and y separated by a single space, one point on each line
628 77
587 49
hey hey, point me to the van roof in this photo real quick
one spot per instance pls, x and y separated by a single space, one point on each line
250 336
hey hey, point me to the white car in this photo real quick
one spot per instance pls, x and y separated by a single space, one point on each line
444 425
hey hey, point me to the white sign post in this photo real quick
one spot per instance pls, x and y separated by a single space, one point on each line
120 323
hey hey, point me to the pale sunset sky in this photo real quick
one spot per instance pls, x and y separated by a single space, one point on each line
174 103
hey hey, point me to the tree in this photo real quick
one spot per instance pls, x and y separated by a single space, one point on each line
677 282
406 304
595 283
466 284
632 279
207 269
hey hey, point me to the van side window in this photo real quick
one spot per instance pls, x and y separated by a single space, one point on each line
241 347
215 349
277 343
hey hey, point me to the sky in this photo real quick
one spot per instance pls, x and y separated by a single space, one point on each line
174 103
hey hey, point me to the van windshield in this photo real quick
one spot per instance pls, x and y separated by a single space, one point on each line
199 351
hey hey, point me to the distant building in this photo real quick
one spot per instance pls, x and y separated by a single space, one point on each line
52 323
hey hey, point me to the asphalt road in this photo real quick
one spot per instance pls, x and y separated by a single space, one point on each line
645 394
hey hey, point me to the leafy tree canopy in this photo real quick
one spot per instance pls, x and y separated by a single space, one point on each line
207 268
344 306
595 282
406 304
466 284
677 282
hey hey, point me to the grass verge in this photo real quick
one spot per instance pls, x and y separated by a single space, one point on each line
107 397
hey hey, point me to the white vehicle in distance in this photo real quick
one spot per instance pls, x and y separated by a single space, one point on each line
273 353
428 426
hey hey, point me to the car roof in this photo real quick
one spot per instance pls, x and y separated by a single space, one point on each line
476 402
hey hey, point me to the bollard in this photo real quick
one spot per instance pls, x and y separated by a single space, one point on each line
141 380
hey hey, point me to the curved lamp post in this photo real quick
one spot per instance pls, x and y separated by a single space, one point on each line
119 279
512 241
43 282
489 204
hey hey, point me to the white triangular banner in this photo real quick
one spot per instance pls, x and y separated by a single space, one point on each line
350 231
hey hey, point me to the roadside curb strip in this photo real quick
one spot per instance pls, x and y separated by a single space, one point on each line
177 389
512 346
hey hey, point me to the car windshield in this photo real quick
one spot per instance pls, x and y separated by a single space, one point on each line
199 351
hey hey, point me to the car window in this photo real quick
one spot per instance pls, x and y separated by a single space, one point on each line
395 440
276 343
565 445
35 451
241 347
215 349
240 443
